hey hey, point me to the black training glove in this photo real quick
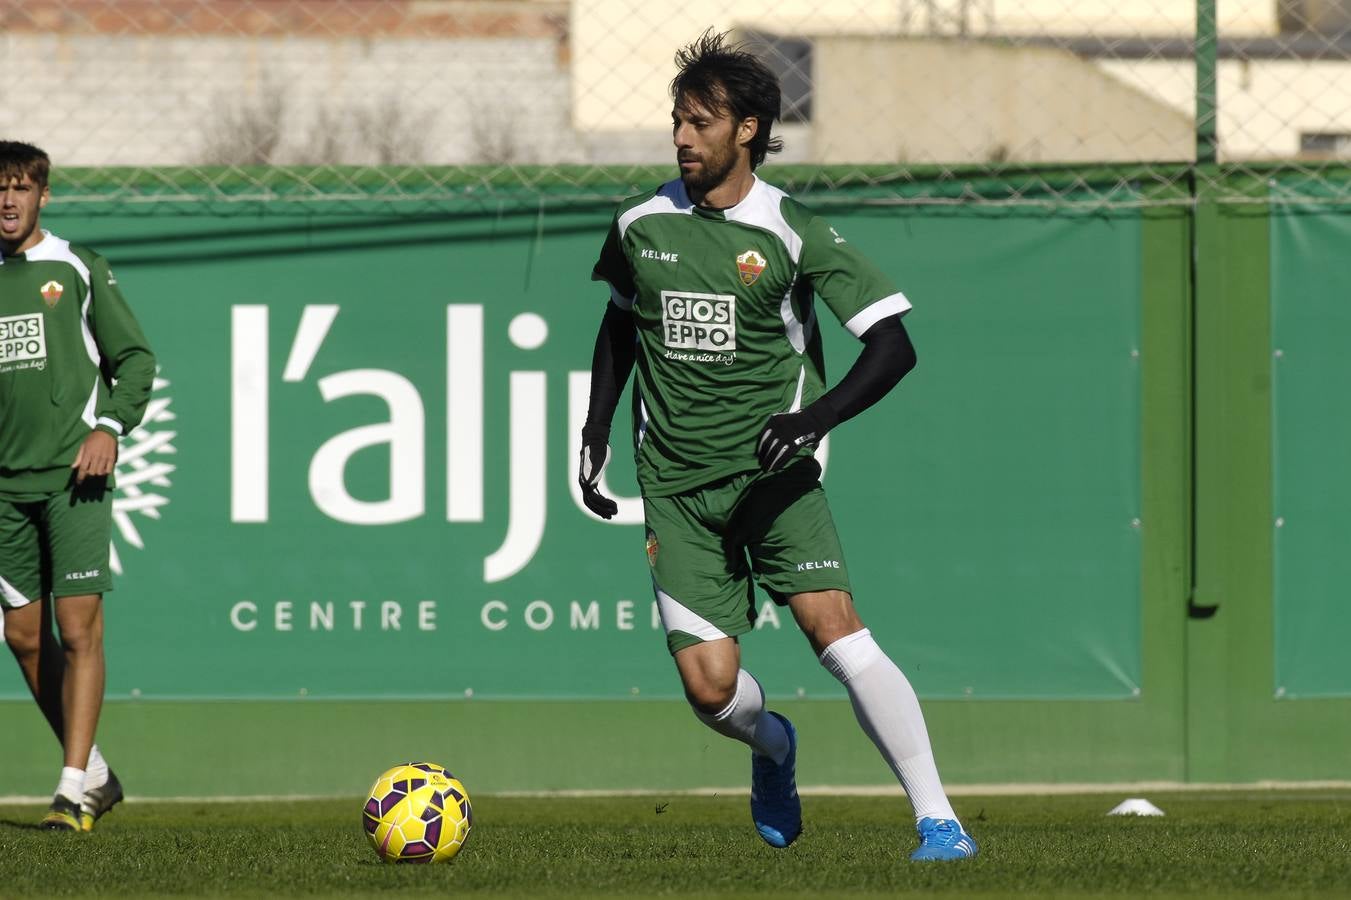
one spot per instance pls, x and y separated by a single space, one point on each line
785 433
595 456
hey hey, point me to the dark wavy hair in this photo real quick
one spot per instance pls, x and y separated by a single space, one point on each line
18 159
720 76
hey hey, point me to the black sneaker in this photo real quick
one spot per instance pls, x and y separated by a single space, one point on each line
62 815
99 800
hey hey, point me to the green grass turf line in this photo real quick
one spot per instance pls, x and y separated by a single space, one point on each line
1222 844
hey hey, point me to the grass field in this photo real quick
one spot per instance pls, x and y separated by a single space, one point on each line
1221 844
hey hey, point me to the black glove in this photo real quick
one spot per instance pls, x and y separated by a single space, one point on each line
785 433
595 456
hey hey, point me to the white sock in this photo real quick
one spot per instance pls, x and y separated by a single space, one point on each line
96 775
888 710
747 720
72 784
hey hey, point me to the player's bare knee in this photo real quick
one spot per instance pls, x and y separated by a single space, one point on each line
79 621
82 639
830 632
709 695
825 616
23 632
709 673
77 646
710 699
25 646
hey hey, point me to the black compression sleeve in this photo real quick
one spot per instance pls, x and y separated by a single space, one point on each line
611 363
886 357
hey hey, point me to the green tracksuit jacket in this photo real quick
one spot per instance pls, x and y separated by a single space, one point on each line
72 359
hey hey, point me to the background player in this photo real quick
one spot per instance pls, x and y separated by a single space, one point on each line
712 278
75 374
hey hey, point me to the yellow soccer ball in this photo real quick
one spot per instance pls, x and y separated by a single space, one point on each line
417 813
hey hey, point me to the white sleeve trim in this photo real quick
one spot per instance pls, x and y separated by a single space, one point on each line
870 315
624 303
112 423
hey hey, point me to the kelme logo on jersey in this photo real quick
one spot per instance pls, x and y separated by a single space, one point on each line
698 321
23 343
749 265
51 292
652 548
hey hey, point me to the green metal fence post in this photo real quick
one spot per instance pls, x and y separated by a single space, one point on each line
1205 81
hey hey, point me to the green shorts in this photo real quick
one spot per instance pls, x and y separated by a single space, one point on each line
55 544
705 547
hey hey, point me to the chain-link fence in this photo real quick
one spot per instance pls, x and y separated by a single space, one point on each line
225 104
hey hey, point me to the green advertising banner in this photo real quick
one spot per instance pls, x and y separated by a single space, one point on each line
357 478
1311 423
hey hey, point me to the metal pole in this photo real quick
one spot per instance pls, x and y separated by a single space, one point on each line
1206 44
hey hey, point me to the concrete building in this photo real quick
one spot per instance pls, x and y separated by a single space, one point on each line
197 82
518 82
974 81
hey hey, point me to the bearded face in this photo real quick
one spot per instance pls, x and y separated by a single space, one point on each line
705 168
707 149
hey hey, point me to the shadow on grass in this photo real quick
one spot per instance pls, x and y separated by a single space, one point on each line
22 826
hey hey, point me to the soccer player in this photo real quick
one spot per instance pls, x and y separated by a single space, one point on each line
712 278
75 374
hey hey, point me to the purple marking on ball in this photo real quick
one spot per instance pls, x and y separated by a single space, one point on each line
371 824
389 801
415 860
433 833
373 806
434 809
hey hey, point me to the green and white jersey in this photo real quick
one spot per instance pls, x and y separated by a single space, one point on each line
72 359
723 303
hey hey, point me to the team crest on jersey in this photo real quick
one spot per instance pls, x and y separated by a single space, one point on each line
51 292
652 548
749 265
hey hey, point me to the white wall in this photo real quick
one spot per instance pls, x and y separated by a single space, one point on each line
1264 105
887 100
177 100
105 100
1151 17
623 49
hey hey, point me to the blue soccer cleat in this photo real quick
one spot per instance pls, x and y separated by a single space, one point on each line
943 839
775 805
